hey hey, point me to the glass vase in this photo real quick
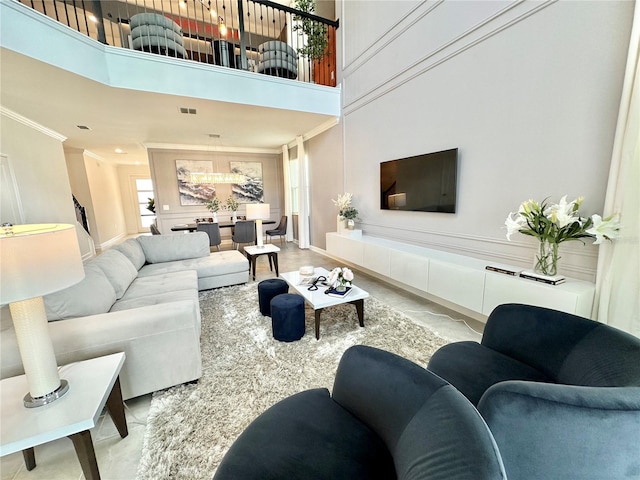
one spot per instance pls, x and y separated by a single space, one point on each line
546 261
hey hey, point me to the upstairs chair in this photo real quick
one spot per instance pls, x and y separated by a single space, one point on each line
213 230
278 59
387 418
560 393
280 230
152 32
244 232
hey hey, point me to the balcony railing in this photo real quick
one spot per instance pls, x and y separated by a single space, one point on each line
253 35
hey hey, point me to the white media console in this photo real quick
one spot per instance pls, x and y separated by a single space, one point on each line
458 280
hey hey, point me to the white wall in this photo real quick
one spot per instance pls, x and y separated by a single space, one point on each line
527 91
37 160
126 176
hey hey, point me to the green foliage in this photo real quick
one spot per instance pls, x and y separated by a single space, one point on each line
231 203
317 39
350 213
213 205
151 205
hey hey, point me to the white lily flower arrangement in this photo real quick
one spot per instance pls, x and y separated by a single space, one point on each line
553 224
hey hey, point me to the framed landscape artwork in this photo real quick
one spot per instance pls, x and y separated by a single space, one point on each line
193 193
252 190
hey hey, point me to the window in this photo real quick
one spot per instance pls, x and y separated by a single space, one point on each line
144 191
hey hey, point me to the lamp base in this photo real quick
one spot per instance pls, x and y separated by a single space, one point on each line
31 402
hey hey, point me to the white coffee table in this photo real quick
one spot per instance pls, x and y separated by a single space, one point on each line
253 252
92 384
318 300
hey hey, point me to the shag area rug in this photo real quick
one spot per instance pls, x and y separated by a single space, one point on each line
245 371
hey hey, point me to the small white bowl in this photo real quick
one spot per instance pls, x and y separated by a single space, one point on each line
306 270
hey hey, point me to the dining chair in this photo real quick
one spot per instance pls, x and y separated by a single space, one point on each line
280 230
213 230
244 232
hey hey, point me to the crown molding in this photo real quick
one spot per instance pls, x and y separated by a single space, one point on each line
209 148
31 124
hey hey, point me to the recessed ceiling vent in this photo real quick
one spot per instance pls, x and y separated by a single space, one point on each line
83 127
214 135
188 111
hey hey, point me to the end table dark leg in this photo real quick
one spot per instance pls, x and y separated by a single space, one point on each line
269 256
29 455
253 265
360 309
275 262
317 312
87 456
115 407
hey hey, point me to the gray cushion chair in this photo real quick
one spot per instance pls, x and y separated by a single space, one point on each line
244 232
213 230
153 32
560 393
387 418
280 230
278 59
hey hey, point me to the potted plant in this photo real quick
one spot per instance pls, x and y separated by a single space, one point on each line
151 205
232 204
316 33
213 205
350 213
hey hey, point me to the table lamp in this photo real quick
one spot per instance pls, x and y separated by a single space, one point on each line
258 212
36 260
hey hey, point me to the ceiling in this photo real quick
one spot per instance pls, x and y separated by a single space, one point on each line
128 120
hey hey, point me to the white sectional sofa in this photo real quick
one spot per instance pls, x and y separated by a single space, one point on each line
141 298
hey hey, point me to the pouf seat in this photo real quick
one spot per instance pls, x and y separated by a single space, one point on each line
287 317
267 290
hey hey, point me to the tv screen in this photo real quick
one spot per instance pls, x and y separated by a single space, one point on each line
423 183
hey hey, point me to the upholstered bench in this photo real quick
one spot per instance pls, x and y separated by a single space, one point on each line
287 317
267 290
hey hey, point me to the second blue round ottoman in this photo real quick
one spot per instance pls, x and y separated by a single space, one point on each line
267 290
287 317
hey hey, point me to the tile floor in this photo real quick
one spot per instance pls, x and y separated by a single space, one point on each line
118 458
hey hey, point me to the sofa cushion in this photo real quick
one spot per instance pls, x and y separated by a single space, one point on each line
216 263
452 361
118 270
93 294
160 284
169 248
157 299
133 251
307 435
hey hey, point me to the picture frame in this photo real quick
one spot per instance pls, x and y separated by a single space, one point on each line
252 190
194 193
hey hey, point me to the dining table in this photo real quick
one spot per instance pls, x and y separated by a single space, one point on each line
192 227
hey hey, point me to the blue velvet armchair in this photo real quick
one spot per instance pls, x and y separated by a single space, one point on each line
560 393
387 418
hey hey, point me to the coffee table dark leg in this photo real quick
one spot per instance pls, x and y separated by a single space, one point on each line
115 407
318 311
87 456
29 455
360 309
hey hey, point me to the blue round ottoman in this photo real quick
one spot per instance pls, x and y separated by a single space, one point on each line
267 289
287 317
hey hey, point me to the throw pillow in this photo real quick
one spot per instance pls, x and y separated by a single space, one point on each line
169 248
118 269
92 295
133 251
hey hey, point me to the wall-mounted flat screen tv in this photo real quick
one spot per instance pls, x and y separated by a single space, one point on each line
423 183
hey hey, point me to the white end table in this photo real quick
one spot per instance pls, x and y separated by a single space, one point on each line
92 384
318 300
253 252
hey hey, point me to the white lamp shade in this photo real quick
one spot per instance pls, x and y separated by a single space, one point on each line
258 211
38 259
